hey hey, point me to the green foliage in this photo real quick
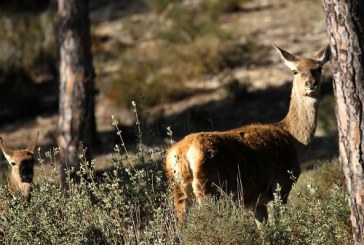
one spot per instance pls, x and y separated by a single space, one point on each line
318 210
324 176
123 205
220 222
321 221
46 220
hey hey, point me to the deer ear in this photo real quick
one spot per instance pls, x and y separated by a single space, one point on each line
8 153
323 56
287 58
33 143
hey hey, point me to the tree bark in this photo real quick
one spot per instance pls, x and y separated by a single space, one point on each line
76 121
345 22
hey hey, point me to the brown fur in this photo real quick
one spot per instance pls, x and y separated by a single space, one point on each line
22 167
252 160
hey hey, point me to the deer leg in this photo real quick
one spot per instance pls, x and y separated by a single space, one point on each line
180 197
199 189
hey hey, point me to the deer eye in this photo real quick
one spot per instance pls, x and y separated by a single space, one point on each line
13 164
295 72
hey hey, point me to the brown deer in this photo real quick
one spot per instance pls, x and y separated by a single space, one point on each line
22 166
250 161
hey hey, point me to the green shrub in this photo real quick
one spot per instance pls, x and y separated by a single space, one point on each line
123 206
324 176
129 205
220 222
320 221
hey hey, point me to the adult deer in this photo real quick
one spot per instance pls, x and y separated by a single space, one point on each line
22 166
250 161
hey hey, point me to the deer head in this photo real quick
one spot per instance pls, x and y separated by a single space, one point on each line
306 71
22 166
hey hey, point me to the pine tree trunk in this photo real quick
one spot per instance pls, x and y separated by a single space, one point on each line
76 121
345 22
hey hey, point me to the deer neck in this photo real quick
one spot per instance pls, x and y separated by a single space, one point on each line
301 119
13 185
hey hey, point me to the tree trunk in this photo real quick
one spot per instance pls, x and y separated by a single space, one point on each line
76 121
345 21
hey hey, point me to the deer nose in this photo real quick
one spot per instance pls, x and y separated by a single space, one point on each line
26 175
312 84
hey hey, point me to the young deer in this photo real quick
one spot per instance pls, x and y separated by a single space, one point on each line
22 167
252 160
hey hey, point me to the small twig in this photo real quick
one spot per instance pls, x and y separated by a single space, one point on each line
115 123
137 123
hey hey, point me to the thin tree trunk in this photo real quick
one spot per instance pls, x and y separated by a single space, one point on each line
76 121
345 22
